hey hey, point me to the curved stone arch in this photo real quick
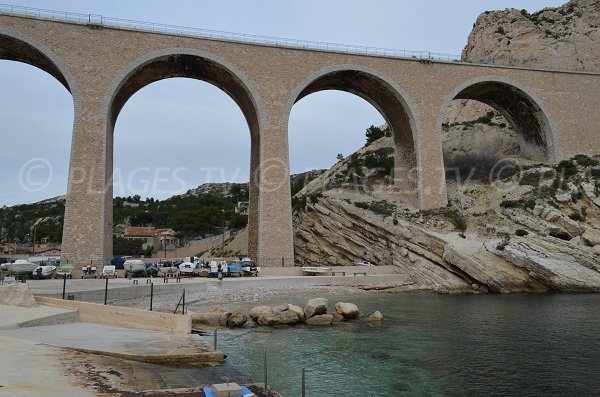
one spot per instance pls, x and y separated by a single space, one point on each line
541 114
408 108
53 64
253 109
154 56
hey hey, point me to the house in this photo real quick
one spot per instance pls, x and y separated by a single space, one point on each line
49 252
153 237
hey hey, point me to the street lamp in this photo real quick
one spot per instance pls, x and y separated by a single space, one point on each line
33 242
222 227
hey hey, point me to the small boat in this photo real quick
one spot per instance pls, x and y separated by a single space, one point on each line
363 263
64 270
109 271
44 271
135 268
20 267
89 271
316 270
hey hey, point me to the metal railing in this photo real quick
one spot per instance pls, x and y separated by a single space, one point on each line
98 21
101 21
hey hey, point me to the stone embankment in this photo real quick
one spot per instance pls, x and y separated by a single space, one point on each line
314 313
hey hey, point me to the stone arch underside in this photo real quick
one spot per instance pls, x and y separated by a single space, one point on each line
213 72
14 49
394 109
520 109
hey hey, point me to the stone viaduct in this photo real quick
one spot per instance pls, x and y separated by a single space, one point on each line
103 64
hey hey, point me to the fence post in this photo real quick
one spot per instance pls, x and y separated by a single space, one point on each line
105 291
64 284
265 368
151 294
303 383
183 304
215 341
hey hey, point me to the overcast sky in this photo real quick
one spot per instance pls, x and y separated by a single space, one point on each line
176 134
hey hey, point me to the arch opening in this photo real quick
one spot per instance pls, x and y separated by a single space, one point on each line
489 120
178 67
395 110
13 49
36 120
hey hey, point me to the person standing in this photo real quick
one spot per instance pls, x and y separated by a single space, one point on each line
220 274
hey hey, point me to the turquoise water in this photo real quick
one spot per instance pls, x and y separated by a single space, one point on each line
430 345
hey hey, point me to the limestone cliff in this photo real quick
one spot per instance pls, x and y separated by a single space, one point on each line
565 37
533 230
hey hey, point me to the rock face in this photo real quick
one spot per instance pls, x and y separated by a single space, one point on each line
564 37
525 239
17 295
536 231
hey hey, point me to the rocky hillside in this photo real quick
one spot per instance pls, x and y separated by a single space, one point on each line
532 231
564 37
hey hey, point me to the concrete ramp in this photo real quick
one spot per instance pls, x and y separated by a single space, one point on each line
156 347
13 317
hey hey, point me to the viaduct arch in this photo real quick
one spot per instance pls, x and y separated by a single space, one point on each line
102 65
521 107
195 64
389 99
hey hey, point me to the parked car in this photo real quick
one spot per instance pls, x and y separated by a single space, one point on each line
187 269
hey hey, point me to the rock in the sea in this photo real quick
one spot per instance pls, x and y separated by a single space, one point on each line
257 311
348 310
337 318
315 307
377 316
298 310
211 319
272 318
320 319
17 295
250 324
237 319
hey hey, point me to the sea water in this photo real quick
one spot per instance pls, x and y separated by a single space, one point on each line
433 345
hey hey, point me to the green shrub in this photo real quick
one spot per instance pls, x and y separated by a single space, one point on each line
457 219
379 207
566 168
521 232
576 216
586 161
500 30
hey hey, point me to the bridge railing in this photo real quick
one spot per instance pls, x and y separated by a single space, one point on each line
100 21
